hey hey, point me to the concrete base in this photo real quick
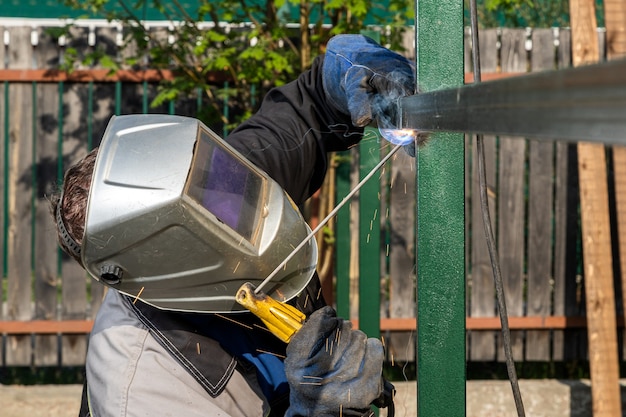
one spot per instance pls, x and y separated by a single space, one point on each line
542 398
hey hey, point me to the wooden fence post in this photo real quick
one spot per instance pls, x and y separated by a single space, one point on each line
596 232
615 18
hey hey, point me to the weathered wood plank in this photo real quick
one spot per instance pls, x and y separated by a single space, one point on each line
19 349
3 184
568 344
46 251
74 146
540 198
74 278
402 253
511 213
482 302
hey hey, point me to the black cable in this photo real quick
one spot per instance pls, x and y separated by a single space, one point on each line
489 235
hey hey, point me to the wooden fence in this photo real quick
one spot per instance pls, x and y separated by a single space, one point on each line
49 121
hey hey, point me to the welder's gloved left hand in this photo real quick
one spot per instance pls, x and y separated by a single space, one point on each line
364 80
332 369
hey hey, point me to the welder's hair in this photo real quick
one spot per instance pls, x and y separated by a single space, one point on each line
73 202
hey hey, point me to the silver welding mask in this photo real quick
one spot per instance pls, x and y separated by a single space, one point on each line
180 219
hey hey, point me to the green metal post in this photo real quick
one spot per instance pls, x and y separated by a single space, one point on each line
440 236
5 196
369 229
342 240
118 98
369 237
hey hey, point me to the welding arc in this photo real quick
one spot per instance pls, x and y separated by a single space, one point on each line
489 235
328 217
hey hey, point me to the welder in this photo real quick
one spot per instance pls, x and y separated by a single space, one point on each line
173 220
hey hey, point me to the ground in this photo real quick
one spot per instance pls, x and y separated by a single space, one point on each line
542 398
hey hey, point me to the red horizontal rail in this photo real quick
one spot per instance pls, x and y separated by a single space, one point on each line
16 327
95 75
150 75
46 327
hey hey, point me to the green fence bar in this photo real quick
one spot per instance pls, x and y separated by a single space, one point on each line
5 194
440 233
369 229
369 237
342 236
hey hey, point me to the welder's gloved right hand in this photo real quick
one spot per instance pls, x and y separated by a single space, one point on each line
332 370
364 80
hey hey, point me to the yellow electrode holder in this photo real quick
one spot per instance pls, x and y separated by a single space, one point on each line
282 319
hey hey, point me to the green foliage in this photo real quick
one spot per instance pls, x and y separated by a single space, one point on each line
522 13
257 48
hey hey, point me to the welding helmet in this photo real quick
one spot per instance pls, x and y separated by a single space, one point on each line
179 219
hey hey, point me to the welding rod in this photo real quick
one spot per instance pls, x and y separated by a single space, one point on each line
330 215
576 104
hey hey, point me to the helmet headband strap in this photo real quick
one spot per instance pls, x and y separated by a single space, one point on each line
68 242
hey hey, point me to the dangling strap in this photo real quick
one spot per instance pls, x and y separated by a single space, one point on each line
69 243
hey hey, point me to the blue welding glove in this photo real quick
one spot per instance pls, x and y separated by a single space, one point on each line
332 370
364 80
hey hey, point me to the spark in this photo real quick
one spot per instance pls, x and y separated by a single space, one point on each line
236 267
198 347
138 295
261 327
271 353
306 301
319 293
234 321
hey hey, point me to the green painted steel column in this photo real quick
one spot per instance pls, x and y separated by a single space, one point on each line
440 236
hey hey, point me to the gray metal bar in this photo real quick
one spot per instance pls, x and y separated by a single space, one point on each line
576 104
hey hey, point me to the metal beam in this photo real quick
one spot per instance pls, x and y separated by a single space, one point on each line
584 103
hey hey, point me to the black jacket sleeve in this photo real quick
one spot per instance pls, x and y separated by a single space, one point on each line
291 133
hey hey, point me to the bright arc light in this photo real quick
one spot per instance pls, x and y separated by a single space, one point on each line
399 136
